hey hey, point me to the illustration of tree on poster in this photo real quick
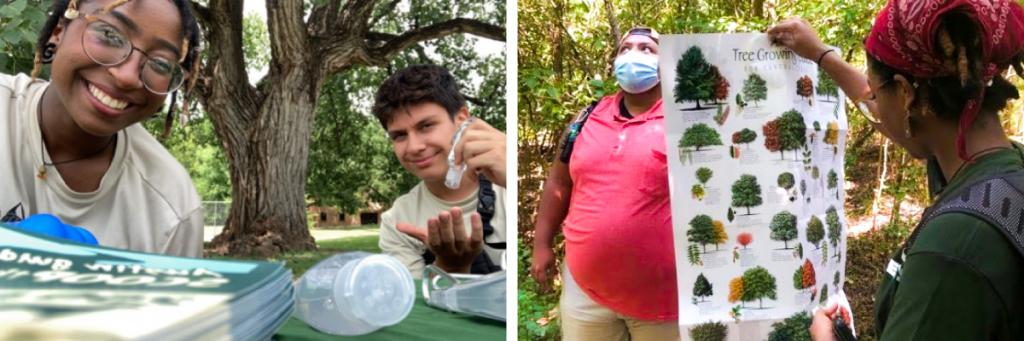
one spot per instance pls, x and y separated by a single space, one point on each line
773 133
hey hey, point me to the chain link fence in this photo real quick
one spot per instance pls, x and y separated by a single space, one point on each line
215 213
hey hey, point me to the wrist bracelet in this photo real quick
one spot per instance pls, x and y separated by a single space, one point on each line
823 55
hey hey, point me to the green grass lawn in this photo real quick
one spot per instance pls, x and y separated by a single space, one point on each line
300 261
363 238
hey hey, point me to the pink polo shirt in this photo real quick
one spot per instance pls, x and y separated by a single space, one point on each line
618 231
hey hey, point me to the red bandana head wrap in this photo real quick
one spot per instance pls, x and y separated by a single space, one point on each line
903 38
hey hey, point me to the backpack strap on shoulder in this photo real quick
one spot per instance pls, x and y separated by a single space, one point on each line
574 131
998 200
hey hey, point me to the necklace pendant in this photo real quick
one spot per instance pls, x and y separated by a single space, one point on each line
42 172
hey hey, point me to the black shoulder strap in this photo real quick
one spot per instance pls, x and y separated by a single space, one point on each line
997 199
485 206
574 131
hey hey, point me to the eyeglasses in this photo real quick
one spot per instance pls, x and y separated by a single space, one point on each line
108 46
867 106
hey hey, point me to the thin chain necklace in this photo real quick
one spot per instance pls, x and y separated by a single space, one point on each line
973 157
42 147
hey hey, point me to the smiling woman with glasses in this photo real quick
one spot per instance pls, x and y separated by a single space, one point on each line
934 86
74 145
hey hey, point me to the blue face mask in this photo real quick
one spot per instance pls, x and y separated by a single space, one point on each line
636 72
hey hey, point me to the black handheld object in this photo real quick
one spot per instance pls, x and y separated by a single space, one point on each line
841 330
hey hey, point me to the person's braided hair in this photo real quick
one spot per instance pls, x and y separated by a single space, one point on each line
189 54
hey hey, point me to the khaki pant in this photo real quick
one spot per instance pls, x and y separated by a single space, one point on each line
586 320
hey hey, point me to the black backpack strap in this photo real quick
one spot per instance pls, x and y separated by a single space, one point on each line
486 199
997 199
574 131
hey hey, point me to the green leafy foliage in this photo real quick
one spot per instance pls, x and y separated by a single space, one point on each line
833 180
835 228
758 284
787 132
786 180
20 22
793 328
746 192
702 288
694 79
755 89
704 174
700 135
702 231
783 227
827 87
744 136
693 255
709 331
815 231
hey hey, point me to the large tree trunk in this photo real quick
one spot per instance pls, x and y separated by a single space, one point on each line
268 166
264 132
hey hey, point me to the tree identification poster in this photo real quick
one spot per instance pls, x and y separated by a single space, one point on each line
756 139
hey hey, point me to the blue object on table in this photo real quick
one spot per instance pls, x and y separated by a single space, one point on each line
50 225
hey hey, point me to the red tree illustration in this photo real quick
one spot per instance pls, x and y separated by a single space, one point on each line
721 86
805 88
808 274
744 239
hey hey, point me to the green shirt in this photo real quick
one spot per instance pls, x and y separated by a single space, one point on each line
962 279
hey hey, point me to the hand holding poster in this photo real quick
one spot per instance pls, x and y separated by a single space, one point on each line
755 138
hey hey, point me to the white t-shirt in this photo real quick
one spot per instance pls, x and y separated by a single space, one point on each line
419 205
145 202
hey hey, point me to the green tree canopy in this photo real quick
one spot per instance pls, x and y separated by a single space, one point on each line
783 227
787 132
709 331
758 284
833 179
694 81
702 288
835 228
786 180
815 231
700 135
744 136
746 192
702 231
826 86
793 328
704 174
755 89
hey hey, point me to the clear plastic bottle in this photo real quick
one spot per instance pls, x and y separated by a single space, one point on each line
478 295
354 293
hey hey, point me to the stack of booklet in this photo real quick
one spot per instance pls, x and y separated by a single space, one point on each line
52 289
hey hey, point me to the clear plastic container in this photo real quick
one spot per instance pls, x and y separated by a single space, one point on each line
354 293
479 295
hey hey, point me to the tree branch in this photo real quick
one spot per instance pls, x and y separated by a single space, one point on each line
458 25
323 16
288 39
226 61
